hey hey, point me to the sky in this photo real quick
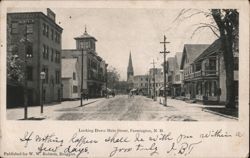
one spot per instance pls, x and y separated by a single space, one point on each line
120 31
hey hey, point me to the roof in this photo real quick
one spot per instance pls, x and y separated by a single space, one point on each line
68 67
192 51
85 35
36 13
214 47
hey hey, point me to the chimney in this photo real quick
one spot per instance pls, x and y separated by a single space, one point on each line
51 14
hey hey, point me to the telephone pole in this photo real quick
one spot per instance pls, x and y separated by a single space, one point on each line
27 55
154 78
164 68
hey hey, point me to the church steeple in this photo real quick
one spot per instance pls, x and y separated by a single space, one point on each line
130 70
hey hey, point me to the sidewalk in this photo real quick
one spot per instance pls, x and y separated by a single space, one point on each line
49 110
196 111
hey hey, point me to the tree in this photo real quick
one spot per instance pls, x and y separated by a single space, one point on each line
227 21
14 68
121 87
112 77
225 25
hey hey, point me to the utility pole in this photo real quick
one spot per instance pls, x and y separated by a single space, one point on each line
27 55
148 84
81 77
164 68
154 78
106 79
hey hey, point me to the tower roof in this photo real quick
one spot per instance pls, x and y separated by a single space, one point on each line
130 65
85 35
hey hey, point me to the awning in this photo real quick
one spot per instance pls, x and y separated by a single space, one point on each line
132 90
104 89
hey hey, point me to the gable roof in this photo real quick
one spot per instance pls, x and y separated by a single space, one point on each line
213 48
192 51
68 67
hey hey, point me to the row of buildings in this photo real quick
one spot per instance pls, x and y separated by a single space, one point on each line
149 84
51 74
197 74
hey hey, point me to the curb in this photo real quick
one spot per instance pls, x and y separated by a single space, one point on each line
216 113
89 102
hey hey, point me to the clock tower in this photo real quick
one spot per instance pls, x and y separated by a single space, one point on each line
86 42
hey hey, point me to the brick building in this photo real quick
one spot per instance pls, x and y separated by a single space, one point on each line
38 34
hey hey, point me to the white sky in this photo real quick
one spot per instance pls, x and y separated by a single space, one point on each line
120 30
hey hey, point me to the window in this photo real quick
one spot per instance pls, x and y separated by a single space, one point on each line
52 54
47 52
47 30
57 58
74 89
57 37
236 63
44 29
29 50
212 64
74 76
57 77
29 73
29 28
52 34
86 45
44 51
14 27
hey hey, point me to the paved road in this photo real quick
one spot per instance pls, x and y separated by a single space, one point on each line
137 108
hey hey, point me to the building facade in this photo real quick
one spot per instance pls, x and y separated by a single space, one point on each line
190 53
39 35
178 77
70 80
156 79
170 63
90 69
141 83
206 82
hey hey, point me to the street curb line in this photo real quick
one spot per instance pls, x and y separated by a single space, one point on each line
88 103
216 113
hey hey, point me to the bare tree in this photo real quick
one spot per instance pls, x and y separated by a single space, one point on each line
113 77
225 25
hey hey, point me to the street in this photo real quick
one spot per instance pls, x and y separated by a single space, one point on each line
121 108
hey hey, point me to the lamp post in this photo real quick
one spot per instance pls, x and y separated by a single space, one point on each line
42 77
